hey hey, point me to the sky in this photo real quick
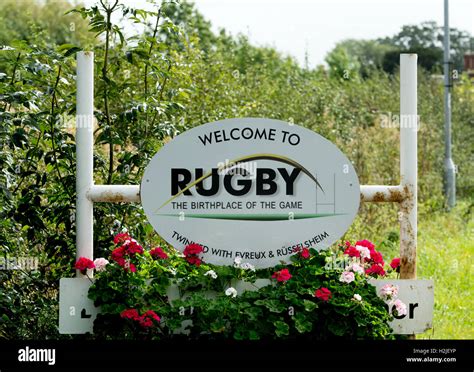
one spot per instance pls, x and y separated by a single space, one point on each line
313 27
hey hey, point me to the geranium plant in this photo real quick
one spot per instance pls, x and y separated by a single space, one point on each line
320 295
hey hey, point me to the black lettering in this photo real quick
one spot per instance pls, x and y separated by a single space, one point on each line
289 178
246 185
412 310
176 184
207 139
214 182
265 176
232 134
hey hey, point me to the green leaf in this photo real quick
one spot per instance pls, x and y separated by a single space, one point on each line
302 324
337 328
274 306
309 305
72 51
281 328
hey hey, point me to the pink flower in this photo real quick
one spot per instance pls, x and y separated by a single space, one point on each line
395 264
83 264
347 277
355 267
388 291
363 251
158 253
400 307
282 275
323 294
100 263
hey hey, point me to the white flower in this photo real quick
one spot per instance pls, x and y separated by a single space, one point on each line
355 267
247 266
401 307
231 292
212 273
347 277
357 297
237 261
100 263
389 291
364 251
172 271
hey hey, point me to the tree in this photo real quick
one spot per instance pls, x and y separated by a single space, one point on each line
426 39
342 64
368 53
24 20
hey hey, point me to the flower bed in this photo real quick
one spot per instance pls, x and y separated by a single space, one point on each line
157 293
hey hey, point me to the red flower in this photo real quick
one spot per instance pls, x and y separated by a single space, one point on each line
352 251
376 257
375 270
194 260
323 294
146 320
129 266
122 237
305 253
130 314
282 275
191 252
133 247
366 243
158 253
118 253
395 264
83 264
193 249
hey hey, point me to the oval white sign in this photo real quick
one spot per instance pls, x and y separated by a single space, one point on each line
257 189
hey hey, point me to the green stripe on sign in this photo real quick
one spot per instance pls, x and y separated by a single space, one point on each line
253 217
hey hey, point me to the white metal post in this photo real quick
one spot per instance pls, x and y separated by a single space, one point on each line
84 154
449 167
408 164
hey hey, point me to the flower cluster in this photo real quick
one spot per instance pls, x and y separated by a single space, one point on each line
323 294
244 266
389 294
282 275
83 264
366 260
231 291
191 253
146 320
126 251
303 252
158 253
